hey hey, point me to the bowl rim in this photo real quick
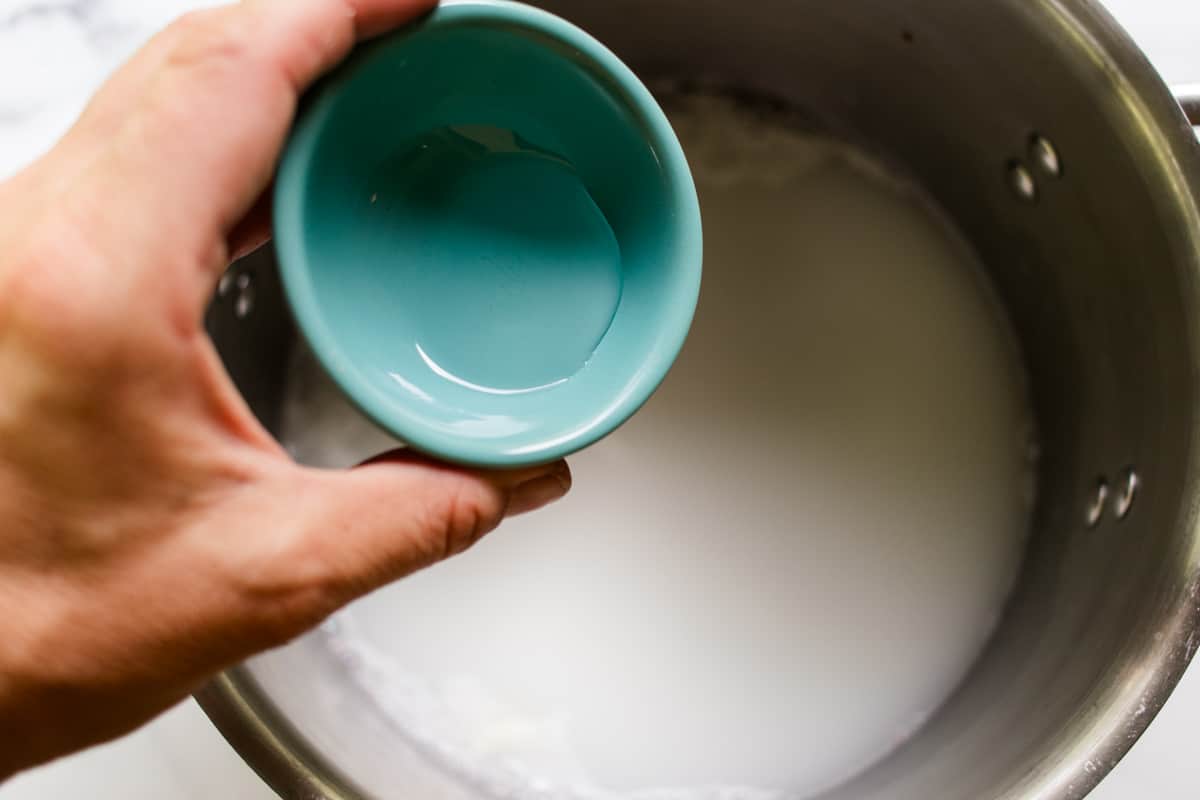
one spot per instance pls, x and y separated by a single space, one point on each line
676 317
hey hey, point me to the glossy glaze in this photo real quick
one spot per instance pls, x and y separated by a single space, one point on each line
489 235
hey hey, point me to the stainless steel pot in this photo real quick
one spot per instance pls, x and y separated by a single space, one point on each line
1044 133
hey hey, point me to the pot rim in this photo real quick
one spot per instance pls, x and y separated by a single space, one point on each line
1121 709
1126 701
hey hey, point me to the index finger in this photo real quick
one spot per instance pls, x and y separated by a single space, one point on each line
202 141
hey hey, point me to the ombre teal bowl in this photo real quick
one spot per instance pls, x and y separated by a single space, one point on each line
489 235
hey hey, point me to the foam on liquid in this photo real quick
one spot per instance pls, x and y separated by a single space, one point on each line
775 572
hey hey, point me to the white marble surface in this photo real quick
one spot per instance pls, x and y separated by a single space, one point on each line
53 53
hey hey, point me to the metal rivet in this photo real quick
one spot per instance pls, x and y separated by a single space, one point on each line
244 303
1126 492
1094 511
1022 181
1044 154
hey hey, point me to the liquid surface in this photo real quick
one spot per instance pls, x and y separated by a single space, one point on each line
776 571
522 267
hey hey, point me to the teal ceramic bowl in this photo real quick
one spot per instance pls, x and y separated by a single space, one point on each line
489 235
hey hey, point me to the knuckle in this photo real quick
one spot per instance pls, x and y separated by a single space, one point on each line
210 37
54 308
77 309
281 614
281 624
318 44
294 593
465 515
192 25
286 584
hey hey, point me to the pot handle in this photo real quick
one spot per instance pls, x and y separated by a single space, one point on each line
1189 98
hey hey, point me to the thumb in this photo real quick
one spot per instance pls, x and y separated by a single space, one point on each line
397 514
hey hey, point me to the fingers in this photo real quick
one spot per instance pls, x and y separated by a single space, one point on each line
539 492
412 514
212 102
304 38
351 532
120 94
93 131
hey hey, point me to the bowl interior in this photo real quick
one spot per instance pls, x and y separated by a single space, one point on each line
489 235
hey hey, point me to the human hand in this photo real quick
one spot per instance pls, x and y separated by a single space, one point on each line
151 532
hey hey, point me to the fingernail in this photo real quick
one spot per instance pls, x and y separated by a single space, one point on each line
540 492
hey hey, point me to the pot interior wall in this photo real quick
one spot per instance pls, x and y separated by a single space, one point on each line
1095 285
1098 281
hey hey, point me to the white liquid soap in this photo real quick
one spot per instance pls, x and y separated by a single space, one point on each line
774 573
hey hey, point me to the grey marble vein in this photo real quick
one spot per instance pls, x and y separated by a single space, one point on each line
78 10
55 53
